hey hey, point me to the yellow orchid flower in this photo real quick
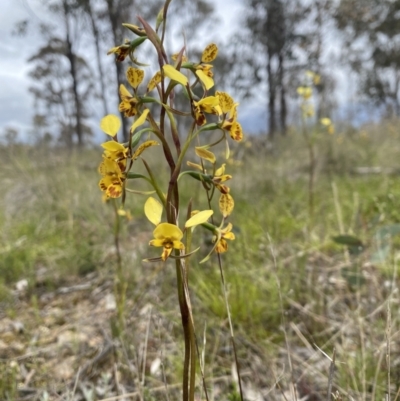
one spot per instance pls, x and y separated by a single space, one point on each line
305 92
121 51
128 102
327 122
221 237
230 122
116 151
112 178
209 104
169 237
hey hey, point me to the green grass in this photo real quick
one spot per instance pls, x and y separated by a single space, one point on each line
284 277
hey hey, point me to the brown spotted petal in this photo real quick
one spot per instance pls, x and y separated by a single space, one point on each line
226 204
142 147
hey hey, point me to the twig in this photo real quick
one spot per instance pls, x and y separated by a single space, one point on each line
331 374
76 381
145 348
230 325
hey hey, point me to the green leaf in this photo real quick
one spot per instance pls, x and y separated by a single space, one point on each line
348 240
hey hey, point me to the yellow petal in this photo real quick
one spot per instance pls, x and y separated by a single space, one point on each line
153 210
226 204
178 244
209 53
225 101
207 81
134 76
142 147
113 146
305 91
154 81
222 246
109 167
220 171
110 124
174 74
140 121
194 165
326 121
236 132
208 104
166 252
167 230
124 93
199 218
205 154
114 191
156 242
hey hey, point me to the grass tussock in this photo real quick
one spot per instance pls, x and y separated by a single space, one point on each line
296 295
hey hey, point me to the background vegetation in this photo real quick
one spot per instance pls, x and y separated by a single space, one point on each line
294 292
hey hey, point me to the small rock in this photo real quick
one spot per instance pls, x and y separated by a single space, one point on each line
155 367
18 327
21 285
110 302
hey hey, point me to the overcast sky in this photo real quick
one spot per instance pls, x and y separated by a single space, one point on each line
15 100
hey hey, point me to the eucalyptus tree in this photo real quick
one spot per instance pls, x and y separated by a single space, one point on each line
372 48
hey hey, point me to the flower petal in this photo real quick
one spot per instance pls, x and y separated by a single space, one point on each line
236 132
167 230
210 53
142 147
225 101
178 245
207 81
154 81
326 121
113 146
174 74
110 124
153 210
199 218
166 252
124 93
140 121
134 76
157 242
226 204
205 154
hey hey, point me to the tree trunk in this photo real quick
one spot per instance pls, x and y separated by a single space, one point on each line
96 37
73 71
283 111
114 14
271 101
